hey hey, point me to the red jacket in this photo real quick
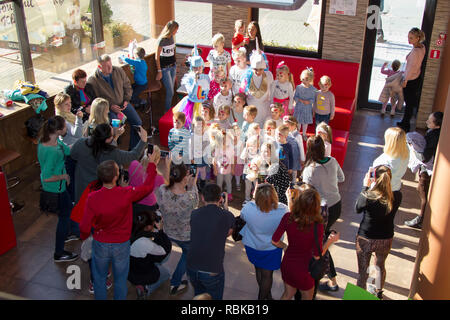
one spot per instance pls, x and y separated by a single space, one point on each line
110 211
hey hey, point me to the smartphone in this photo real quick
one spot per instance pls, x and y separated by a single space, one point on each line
193 170
164 153
150 149
224 196
372 172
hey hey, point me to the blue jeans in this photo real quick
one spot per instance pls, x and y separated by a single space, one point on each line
134 120
137 89
164 275
207 282
168 80
322 118
62 229
102 255
180 270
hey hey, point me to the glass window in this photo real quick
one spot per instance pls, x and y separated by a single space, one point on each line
195 20
124 21
59 36
305 22
10 59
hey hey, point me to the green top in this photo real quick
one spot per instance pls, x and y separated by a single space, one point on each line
51 159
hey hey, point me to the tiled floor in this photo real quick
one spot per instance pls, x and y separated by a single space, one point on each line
29 271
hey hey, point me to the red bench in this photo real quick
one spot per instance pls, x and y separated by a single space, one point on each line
344 77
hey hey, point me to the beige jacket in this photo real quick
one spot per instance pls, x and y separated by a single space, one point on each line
122 87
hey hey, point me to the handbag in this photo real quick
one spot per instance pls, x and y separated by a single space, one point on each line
239 223
317 267
49 202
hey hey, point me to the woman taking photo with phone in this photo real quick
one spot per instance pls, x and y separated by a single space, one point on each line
376 230
176 202
90 152
137 176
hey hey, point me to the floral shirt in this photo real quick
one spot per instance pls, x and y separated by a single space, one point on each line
176 211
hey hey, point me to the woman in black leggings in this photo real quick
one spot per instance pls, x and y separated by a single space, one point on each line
411 80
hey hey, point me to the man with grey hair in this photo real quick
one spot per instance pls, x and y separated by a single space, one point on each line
111 83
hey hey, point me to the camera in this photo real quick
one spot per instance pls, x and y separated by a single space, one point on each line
150 148
123 176
292 185
261 178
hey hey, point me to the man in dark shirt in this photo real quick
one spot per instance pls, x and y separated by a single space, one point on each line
210 227
434 123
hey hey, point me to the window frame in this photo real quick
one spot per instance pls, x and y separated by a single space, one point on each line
295 52
255 4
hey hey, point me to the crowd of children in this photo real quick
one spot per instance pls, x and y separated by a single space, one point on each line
220 134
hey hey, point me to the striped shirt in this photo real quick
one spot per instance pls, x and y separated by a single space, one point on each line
179 141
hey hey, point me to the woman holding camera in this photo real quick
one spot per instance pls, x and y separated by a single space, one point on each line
376 229
262 217
150 246
90 152
324 174
137 176
176 202
299 227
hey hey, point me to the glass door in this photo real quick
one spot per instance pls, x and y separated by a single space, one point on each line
388 24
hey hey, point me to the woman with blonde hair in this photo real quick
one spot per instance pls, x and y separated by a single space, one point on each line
74 123
99 115
262 216
299 224
166 61
376 229
412 75
395 156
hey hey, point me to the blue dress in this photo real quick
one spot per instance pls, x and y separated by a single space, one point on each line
303 112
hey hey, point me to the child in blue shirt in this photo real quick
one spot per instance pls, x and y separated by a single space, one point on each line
140 74
179 138
286 155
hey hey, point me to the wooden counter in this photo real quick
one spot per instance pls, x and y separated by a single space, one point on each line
13 133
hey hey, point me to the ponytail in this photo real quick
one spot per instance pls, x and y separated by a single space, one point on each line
177 174
50 126
382 190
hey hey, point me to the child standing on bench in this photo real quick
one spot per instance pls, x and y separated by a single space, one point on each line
304 97
282 89
140 74
324 103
